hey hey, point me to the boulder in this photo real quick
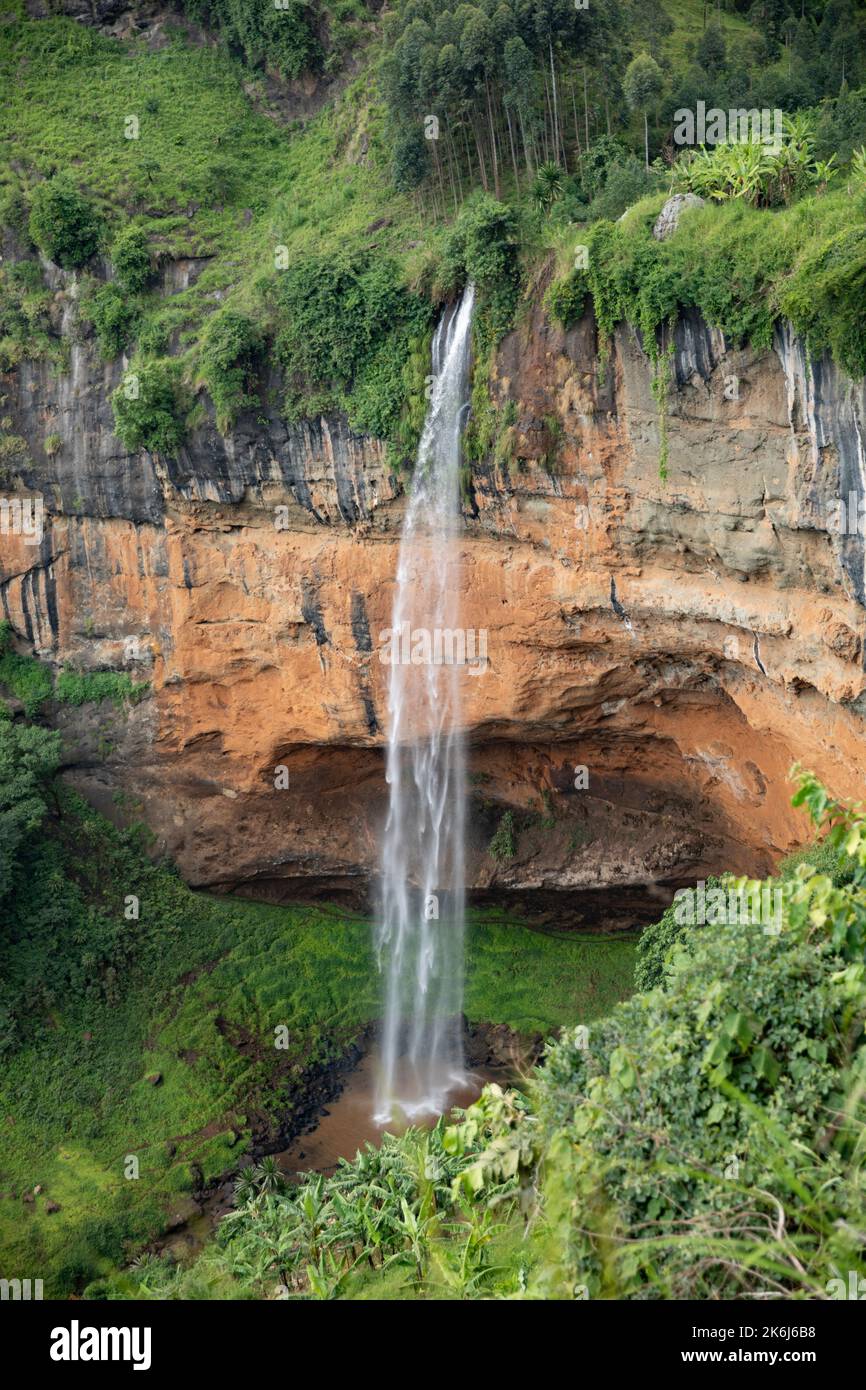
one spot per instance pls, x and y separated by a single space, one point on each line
668 219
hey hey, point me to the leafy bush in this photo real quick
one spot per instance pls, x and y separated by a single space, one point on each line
649 1110
502 845
702 1140
113 317
656 945
399 1212
743 269
596 163
14 210
284 39
823 858
482 247
148 407
130 256
758 173
345 329
627 182
25 324
23 676
63 224
566 298
229 360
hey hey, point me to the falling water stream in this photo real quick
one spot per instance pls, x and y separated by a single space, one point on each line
419 936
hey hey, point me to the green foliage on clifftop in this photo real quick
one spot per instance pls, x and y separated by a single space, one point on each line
743 268
284 205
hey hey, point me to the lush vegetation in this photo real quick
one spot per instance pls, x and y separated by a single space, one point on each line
290 37
703 1140
229 359
148 410
541 123
806 263
23 676
396 1222
519 88
63 223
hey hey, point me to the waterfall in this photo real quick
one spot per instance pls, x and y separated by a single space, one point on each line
419 937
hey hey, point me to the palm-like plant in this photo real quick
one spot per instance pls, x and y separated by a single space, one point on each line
547 188
245 1189
267 1176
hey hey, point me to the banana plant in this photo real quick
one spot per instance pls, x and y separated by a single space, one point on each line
312 1212
327 1277
416 1232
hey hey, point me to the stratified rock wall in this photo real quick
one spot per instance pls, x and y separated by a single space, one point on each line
684 640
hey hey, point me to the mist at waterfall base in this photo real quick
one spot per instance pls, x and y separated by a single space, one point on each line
420 928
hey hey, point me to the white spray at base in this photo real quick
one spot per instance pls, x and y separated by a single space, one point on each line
419 938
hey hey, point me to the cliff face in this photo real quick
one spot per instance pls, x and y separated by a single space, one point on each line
684 640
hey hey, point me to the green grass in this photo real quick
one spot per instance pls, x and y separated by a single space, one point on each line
86 687
74 1108
534 982
23 676
208 174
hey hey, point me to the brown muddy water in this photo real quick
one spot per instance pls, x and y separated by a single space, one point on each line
345 1126
348 1122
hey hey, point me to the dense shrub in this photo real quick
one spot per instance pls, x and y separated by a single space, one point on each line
25 324
82 687
742 268
482 247
113 317
655 948
823 858
14 211
148 407
229 361
727 1104
345 329
502 845
627 182
646 1120
23 676
63 224
130 256
761 174
596 163
566 298
284 39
